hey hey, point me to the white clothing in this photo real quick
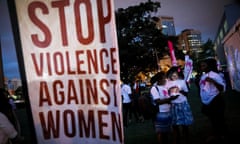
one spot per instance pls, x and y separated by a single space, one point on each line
126 91
7 130
188 67
161 93
208 90
136 85
182 86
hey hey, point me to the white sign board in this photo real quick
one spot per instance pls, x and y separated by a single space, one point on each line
71 61
232 50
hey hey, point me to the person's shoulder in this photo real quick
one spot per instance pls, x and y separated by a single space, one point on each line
214 74
179 80
169 83
123 85
161 86
154 87
182 81
126 86
174 82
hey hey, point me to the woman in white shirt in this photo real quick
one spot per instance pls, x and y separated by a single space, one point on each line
211 86
162 121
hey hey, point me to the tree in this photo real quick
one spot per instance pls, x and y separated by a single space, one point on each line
140 41
208 50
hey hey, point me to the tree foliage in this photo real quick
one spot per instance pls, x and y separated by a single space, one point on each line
18 91
208 50
139 40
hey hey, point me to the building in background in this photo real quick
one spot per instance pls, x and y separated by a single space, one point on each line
12 84
190 42
230 16
167 25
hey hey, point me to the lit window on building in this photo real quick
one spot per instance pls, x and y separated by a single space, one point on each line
225 26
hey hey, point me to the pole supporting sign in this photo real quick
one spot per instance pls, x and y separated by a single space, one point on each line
71 64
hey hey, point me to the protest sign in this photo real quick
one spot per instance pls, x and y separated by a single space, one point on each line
71 64
188 68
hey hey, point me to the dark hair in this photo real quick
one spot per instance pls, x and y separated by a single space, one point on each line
211 64
4 102
6 108
175 69
126 81
3 95
158 76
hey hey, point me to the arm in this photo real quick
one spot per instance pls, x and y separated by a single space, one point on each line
7 127
218 86
183 93
164 101
130 96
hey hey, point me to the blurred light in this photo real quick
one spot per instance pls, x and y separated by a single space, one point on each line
164 26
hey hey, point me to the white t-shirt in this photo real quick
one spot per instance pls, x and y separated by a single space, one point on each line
125 92
207 89
161 93
7 130
182 86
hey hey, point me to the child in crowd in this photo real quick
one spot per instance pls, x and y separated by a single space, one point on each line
160 95
181 112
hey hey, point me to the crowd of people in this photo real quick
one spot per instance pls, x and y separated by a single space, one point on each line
130 95
170 92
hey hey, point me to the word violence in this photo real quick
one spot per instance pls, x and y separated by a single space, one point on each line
87 62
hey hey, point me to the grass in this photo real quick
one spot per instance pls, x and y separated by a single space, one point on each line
142 133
